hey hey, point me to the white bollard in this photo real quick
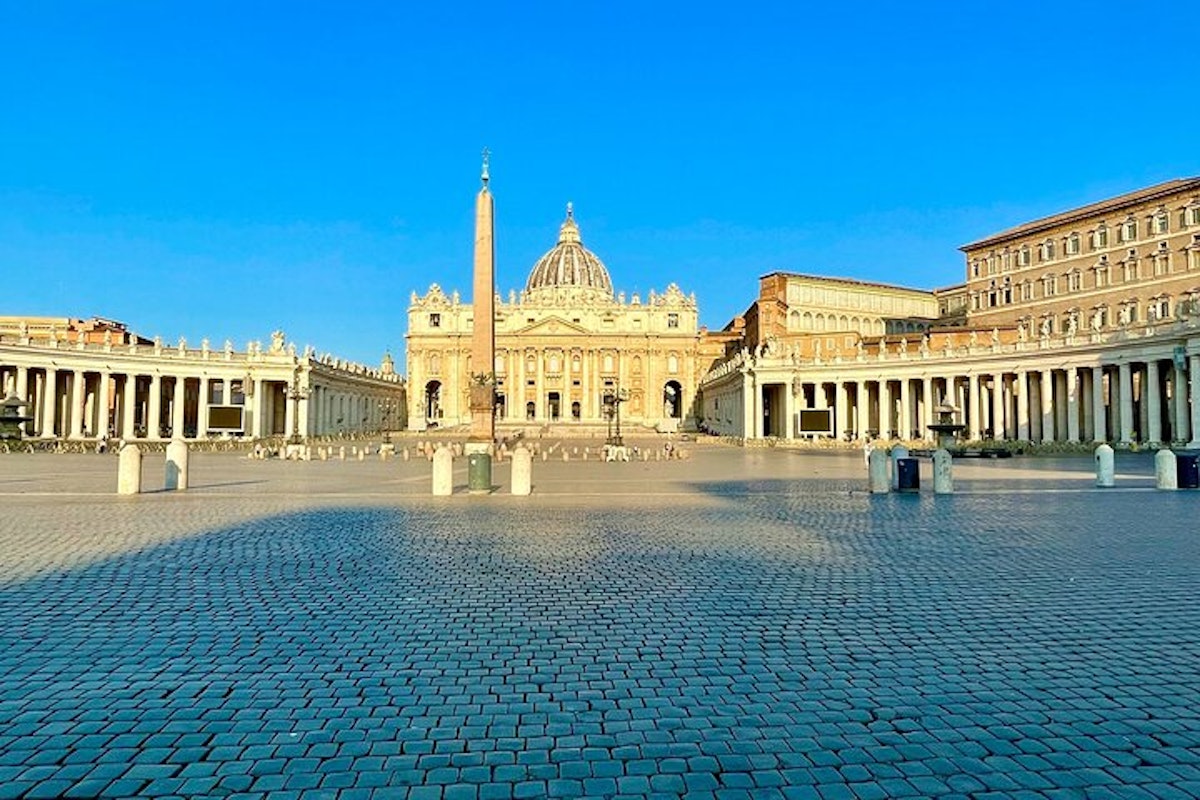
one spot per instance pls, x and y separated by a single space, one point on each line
129 470
362 455
443 472
898 452
545 455
404 454
943 472
1166 474
176 478
566 455
522 471
342 453
877 470
1104 466
324 451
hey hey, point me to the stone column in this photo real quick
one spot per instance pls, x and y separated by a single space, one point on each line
928 408
1179 392
861 408
289 415
1099 408
1072 395
254 425
1152 399
748 406
974 428
1125 369
789 405
50 401
103 401
23 393
178 401
154 415
128 406
541 406
841 399
78 390
1087 402
585 389
202 407
1194 385
1047 405
1021 390
1062 403
906 409
998 406
885 409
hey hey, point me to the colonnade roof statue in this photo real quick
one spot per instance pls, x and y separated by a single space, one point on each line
570 265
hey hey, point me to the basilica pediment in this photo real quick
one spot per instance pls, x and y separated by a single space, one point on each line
553 326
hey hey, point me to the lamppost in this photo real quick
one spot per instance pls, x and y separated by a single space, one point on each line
612 411
387 406
296 393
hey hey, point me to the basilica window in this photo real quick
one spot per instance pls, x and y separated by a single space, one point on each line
435 320
673 364
672 320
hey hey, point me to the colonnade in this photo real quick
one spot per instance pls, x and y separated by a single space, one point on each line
1140 394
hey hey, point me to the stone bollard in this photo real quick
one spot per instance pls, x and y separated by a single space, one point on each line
566 455
443 472
342 453
324 451
1166 472
545 455
898 452
129 470
943 472
1104 466
362 455
404 454
877 469
176 478
522 471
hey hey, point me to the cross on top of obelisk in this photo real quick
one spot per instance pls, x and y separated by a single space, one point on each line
486 156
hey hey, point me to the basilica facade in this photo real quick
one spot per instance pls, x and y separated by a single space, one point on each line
563 344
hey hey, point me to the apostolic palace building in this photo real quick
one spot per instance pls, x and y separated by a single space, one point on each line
1080 327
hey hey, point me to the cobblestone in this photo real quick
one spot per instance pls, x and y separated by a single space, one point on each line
746 624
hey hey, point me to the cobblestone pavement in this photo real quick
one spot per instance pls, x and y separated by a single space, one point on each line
742 624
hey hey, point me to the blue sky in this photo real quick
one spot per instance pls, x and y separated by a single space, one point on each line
223 169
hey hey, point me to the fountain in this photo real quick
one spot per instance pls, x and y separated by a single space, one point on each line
946 428
11 418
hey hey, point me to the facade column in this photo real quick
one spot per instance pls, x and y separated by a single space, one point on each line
254 425
75 413
747 405
905 421
1047 405
1194 397
154 416
289 415
998 406
1152 400
541 407
1099 408
789 405
1062 404
861 407
1072 378
1179 392
128 407
202 408
974 429
177 407
1125 369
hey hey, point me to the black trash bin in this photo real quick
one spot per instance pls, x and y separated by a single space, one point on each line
1187 470
908 475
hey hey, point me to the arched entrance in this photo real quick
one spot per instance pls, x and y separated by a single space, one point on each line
673 400
433 402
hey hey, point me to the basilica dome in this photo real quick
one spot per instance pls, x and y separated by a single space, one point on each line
570 266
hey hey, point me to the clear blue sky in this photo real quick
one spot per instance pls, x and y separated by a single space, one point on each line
222 169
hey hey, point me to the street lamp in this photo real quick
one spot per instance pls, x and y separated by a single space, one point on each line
296 393
612 411
387 406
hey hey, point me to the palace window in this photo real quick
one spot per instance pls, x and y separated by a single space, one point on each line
1130 269
1023 259
1074 281
1102 277
975 268
1008 294
1129 230
1073 244
435 320
1049 285
1159 308
1161 223
1193 214
1100 238
1047 250
991 265
1026 290
1006 261
1100 317
974 301
1162 262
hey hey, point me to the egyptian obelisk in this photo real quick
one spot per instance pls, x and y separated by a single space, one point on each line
483 337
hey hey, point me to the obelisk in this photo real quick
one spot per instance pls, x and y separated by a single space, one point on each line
483 336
